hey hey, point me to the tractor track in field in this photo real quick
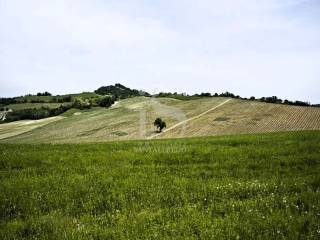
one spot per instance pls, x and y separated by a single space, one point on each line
189 119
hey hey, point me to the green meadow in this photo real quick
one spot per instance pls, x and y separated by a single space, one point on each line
262 186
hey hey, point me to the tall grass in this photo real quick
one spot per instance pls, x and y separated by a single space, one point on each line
238 187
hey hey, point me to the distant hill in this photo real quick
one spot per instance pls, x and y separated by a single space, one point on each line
87 118
133 118
120 91
43 105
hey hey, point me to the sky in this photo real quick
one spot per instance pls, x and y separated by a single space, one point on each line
248 47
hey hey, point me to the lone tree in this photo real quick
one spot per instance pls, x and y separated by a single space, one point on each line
160 124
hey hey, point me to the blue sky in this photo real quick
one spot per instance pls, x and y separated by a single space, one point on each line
249 47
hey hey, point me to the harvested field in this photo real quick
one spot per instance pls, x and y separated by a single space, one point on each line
133 119
240 117
15 128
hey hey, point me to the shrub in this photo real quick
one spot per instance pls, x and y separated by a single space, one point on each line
66 99
106 101
81 104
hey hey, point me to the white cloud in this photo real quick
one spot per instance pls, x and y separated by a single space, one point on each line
247 46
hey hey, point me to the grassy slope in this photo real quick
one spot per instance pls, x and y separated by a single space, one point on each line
20 106
119 123
46 100
19 127
49 98
264 186
133 118
239 116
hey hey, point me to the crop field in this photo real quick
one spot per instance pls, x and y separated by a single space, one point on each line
133 119
20 106
19 127
50 98
129 119
260 186
241 117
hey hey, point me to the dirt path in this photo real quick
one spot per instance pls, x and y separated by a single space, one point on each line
115 104
188 120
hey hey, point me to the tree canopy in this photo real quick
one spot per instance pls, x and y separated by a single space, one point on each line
160 124
120 91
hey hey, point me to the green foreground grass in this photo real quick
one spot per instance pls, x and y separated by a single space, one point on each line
264 186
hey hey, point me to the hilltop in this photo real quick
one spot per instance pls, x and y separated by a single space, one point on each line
120 91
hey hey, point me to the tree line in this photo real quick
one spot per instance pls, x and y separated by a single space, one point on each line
36 113
273 99
17 100
44 94
44 112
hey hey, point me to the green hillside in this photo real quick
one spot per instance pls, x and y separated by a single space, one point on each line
20 106
48 99
133 118
263 186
